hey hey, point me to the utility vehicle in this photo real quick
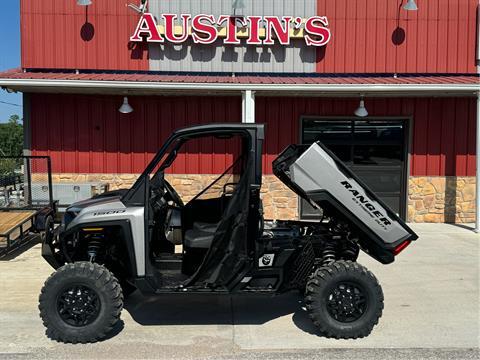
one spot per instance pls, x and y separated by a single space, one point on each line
147 238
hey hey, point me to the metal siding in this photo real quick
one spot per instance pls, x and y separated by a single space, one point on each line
439 37
472 149
218 58
51 36
461 136
86 134
443 140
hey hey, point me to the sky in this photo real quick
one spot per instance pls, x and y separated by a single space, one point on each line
10 54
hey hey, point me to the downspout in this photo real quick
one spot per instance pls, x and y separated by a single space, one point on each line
477 182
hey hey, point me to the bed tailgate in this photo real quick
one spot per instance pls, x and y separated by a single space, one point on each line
317 175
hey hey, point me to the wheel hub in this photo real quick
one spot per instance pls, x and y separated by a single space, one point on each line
346 302
78 305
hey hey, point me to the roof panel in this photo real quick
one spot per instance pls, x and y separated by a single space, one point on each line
252 79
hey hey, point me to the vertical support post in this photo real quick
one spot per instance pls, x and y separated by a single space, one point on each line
477 182
248 107
27 176
27 128
50 184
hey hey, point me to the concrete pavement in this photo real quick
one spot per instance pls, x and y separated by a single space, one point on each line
431 311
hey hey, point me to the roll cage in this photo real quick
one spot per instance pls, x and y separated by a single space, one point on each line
253 135
238 227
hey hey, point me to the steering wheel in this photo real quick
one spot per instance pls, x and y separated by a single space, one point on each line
177 200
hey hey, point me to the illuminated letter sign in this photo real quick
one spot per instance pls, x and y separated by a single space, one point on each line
317 25
147 26
256 30
204 30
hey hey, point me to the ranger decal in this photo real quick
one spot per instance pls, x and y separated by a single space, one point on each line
366 204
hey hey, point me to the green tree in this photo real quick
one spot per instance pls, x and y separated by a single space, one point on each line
11 137
11 143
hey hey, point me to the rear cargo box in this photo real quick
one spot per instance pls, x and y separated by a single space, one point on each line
318 176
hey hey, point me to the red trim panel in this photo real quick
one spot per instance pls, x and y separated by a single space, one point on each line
59 34
379 36
87 134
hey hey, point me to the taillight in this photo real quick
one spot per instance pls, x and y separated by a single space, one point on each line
401 247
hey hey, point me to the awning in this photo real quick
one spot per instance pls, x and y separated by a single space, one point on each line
263 84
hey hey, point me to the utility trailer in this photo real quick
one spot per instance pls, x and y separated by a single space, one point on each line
26 203
118 241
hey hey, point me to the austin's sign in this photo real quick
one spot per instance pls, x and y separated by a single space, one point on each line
257 30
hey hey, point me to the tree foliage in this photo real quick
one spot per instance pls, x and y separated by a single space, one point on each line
11 144
11 137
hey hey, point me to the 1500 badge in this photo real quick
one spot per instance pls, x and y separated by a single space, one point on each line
109 212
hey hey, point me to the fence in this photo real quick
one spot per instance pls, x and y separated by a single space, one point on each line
25 182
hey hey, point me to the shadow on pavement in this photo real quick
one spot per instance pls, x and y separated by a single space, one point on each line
117 329
202 309
465 226
302 321
22 246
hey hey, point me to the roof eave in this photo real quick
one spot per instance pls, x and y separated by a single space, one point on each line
326 89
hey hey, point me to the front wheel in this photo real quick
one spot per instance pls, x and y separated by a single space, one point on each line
80 302
344 300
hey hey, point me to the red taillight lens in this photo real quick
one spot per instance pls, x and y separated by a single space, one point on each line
401 247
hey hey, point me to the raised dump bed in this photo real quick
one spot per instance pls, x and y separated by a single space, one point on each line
319 177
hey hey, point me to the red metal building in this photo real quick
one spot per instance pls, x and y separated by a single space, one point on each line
417 72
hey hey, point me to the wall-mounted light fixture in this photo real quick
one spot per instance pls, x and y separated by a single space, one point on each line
361 110
140 8
125 108
84 2
411 5
238 4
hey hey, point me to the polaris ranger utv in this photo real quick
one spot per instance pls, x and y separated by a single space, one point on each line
124 240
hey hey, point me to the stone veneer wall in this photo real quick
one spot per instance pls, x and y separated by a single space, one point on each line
430 199
279 202
448 199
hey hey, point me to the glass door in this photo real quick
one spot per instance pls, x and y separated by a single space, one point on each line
373 149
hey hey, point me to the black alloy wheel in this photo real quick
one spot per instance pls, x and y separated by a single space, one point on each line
80 302
347 302
78 305
344 300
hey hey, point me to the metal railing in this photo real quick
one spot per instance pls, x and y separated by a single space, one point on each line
25 182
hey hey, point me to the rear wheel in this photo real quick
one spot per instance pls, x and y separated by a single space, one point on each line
80 302
49 228
344 300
